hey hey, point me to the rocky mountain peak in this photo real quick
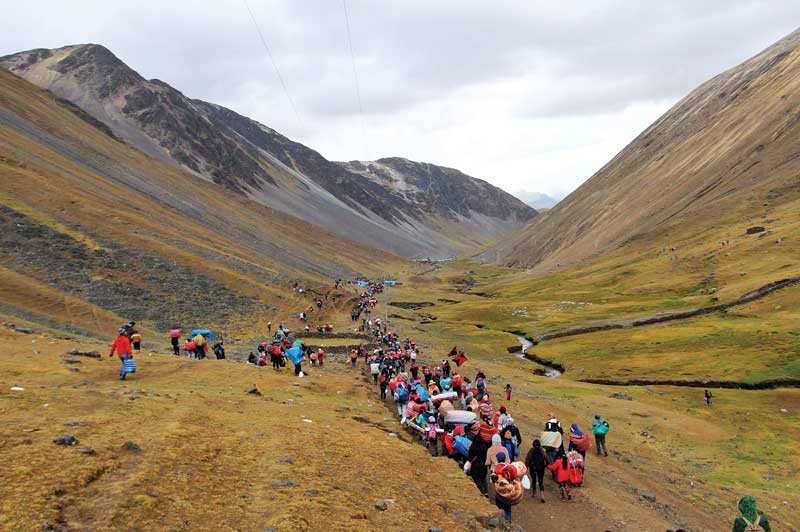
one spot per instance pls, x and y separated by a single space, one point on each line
410 208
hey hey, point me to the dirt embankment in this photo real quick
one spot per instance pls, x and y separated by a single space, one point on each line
764 385
674 316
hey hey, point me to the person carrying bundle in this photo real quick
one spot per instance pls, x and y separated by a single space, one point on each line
189 347
507 482
750 520
475 465
136 341
578 441
174 335
199 346
600 428
219 350
375 370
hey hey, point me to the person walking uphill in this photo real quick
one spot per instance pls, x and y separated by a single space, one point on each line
136 341
122 346
537 461
600 429
750 519
174 336
475 466
561 468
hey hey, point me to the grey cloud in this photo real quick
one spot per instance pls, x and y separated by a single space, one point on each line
575 58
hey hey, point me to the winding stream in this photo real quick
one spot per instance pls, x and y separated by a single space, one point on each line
549 371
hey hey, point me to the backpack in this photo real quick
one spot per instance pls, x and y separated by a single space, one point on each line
401 394
753 527
575 476
583 444
601 429
462 445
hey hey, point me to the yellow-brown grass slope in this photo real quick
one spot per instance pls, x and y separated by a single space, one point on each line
311 454
725 150
93 229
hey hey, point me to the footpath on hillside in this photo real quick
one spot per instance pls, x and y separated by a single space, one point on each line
439 403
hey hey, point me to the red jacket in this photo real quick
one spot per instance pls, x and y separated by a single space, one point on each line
122 345
562 474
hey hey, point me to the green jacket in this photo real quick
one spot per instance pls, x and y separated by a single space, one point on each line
749 511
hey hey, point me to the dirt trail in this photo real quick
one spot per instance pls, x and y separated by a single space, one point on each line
605 502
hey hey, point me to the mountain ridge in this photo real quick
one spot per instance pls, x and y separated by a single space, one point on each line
252 159
92 228
730 136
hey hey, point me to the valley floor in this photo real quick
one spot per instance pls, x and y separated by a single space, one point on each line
214 457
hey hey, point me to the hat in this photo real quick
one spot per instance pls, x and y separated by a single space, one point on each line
551 416
597 416
501 456
496 440
431 419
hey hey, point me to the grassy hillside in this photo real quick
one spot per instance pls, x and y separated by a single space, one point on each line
696 460
211 456
94 231
439 216
748 343
725 153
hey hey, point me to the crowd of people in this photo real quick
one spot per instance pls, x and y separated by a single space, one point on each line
452 414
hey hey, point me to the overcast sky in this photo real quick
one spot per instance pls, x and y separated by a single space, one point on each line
529 95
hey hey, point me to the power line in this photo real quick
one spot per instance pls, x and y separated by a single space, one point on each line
355 77
275 65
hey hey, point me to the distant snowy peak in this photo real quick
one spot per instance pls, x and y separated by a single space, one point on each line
537 200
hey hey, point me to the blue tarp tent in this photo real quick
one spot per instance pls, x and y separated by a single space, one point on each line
295 354
389 283
362 283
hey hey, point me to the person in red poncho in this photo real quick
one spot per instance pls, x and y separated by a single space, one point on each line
562 470
122 346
